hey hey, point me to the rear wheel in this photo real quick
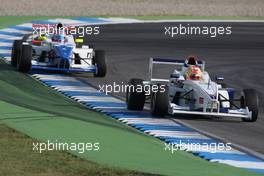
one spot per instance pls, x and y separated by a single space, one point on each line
24 62
160 102
250 99
135 100
16 52
100 61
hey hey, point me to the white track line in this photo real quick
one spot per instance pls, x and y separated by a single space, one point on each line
10 37
5 51
15 30
242 164
205 148
5 44
96 98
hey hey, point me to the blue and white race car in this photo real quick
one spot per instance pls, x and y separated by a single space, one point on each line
189 90
58 52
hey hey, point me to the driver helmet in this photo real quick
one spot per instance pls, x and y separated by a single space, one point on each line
194 73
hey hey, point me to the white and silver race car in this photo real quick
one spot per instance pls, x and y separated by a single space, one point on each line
189 90
58 52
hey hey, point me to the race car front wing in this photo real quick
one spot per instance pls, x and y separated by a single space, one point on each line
88 69
239 113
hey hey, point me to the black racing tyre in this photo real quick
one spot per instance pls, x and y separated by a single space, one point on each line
100 61
160 102
135 100
24 63
16 52
250 99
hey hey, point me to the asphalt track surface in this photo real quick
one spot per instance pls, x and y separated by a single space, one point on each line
238 57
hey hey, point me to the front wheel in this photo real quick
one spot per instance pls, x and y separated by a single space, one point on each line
100 61
160 101
24 62
135 100
16 52
250 99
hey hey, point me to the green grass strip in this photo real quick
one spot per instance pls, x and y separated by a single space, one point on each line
17 159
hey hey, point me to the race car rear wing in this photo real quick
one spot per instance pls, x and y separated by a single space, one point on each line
166 61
